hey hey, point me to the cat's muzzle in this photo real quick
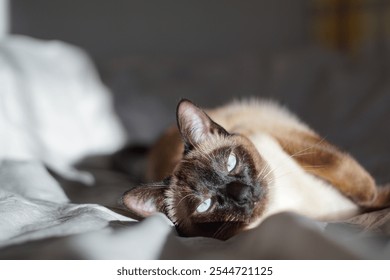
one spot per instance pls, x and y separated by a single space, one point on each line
241 193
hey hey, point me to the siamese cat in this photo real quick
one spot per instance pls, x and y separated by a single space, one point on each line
225 170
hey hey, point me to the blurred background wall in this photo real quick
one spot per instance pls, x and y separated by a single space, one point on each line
188 27
152 53
328 60
164 27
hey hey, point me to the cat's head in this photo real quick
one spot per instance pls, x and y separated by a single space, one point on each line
217 189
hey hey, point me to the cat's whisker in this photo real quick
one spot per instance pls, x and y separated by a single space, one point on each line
265 169
275 175
218 231
265 172
289 172
310 167
223 227
281 175
229 219
305 167
216 234
301 152
270 171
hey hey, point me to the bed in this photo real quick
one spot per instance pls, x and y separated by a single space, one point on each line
62 173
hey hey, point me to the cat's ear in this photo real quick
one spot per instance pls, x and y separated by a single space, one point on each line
145 200
195 125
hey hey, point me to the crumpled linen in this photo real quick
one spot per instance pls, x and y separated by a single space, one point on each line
33 206
53 106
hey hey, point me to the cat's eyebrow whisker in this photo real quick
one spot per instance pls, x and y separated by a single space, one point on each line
184 197
148 185
155 185
203 152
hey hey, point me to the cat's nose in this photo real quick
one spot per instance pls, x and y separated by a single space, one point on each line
241 193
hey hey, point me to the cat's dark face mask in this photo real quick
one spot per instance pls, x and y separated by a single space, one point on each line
219 187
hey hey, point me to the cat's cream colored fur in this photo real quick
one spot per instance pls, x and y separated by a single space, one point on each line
293 189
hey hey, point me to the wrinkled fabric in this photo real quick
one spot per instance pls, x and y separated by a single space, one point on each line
38 222
53 106
34 206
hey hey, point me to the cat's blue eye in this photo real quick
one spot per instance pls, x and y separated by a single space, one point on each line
204 206
231 163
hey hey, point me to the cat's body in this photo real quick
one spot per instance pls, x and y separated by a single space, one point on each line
228 169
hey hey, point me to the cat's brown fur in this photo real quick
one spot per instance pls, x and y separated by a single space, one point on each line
269 138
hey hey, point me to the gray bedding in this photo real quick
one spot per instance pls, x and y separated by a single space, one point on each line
57 229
